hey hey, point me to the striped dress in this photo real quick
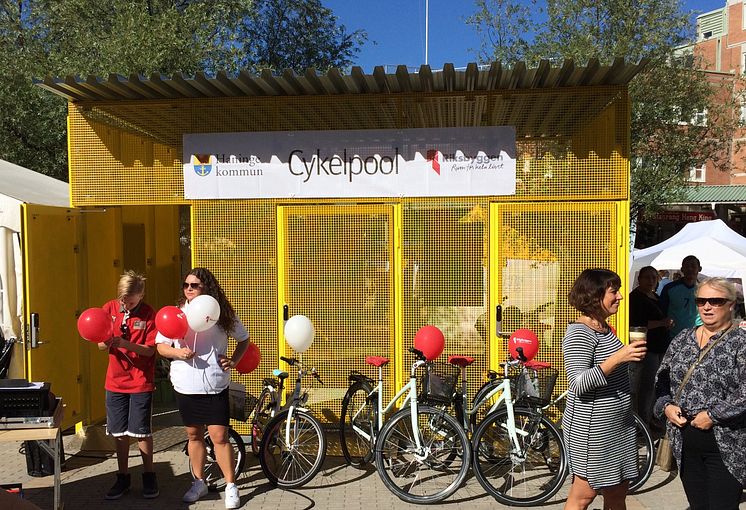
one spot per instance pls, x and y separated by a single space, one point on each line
598 424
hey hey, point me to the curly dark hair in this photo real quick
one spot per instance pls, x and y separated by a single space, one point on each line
211 287
588 291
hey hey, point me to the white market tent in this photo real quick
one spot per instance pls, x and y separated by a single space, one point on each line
19 185
720 250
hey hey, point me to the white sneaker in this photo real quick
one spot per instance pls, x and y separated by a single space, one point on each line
232 499
195 492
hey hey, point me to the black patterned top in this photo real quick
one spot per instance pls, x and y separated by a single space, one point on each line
717 385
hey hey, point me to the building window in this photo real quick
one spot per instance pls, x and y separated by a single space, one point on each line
742 114
697 174
700 118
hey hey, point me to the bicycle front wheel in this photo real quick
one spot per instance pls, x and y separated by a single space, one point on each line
292 460
357 424
433 472
213 476
645 455
526 476
262 414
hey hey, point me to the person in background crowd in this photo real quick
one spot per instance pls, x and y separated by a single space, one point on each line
200 373
129 381
663 276
598 427
677 298
645 311
707 425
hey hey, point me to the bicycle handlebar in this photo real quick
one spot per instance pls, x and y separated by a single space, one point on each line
418 354
290 361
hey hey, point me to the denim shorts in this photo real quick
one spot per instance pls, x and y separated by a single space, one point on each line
129 414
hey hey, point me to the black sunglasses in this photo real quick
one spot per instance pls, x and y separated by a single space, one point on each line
193 286
714 301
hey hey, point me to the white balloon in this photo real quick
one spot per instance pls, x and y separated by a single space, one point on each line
299 332
203 312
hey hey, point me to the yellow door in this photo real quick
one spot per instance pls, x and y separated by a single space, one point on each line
536 252
51 293
336 268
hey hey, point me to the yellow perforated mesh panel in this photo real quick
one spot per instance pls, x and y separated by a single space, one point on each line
572 143
235 240
445 278
539 251
338 272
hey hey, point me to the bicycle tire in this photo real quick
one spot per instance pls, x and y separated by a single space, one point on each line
212 473
527 479
418 479
288 465
262 414
358 406
645 455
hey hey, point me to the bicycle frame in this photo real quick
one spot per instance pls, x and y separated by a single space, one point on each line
297 399
410 389
505 396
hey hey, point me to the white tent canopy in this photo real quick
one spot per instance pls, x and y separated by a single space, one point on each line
720 250
19 185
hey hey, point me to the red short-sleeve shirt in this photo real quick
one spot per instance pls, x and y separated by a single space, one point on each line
129 372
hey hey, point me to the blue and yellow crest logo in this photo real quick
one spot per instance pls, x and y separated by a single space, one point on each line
202 164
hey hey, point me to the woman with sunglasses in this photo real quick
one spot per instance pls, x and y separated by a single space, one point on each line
200 373
706 423
130 381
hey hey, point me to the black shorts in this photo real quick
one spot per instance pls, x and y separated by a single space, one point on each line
129 414
201 409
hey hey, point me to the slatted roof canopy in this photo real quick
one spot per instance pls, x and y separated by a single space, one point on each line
244 84
542 102
709 194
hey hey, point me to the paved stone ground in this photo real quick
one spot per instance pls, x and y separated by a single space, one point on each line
88 475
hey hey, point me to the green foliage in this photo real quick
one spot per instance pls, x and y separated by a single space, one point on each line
665 144
129 37
297 35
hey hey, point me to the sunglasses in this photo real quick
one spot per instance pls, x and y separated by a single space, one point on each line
193 286
125 329
714 301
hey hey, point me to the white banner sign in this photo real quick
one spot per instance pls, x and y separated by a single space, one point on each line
362 163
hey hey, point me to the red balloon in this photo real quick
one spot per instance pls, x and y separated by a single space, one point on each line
526 340
250 359
430 341
95 325
171 322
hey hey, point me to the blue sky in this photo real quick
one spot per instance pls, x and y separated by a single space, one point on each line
396 30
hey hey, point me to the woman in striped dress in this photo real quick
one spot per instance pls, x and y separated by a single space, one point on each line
598 425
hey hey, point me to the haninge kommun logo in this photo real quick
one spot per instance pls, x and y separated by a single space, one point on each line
203 163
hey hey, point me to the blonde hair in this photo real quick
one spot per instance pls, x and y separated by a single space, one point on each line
131 283
720 284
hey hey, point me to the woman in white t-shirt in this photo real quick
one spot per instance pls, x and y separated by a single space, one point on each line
200 374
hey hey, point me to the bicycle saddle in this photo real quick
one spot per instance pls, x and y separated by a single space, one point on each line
376 361
279 373
460 361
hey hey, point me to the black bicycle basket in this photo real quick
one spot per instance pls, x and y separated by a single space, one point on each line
535 387
438 383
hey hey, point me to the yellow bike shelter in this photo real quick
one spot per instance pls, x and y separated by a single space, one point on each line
369 272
